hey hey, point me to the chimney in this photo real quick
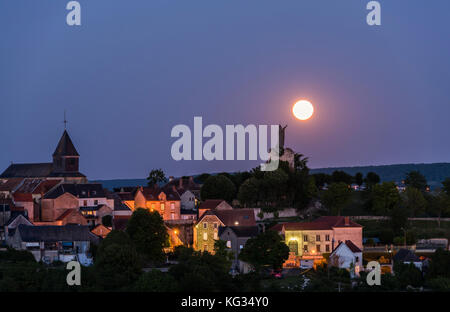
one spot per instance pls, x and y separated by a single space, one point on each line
347 221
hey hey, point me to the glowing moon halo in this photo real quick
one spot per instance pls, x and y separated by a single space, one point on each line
303 110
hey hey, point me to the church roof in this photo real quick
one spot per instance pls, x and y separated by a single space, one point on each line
65 146
28 170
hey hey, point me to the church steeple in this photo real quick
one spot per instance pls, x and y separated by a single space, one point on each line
65 157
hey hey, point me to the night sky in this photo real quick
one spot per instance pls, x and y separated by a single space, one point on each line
134 69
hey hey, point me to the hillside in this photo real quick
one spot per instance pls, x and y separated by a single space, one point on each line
435 173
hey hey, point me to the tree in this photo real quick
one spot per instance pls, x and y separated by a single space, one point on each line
341 176
336 197
218 187
248 192
107 220
417 180
114 237
399 218
266 249
440 264
446 186
156 281
117 267
202 271
439 205
414 201
274 185
385 198
156 176
149 234
359 180
372 179
321 179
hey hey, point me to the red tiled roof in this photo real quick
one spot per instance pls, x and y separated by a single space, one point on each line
243 217
23 197
352 246
65 214
322 223
210 203
46 186
278 227
10 184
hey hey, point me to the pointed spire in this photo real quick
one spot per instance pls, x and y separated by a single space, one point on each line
65 146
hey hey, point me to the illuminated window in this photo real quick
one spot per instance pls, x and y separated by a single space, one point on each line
205 236
172 206
162 207
305 238
229 244
172 216
216 236
305 248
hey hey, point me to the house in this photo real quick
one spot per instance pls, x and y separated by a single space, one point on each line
17 218
236 237
164 200
308 241
213 204
50 243
206 230
347 256
188 214
65 165
101 231
89 199
406 256
188 190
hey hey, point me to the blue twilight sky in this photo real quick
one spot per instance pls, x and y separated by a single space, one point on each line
134 69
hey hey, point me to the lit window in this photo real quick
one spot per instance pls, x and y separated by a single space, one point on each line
229 244
172 206
162 207
205 236
241 246
172 216
216 236
305 248
305 238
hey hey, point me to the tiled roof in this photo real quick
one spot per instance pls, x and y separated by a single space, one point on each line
46 186
28 185
152 193
51 233
322 223
65 146
210 203
88 190
28 170
236 217
23 197
245 231
406 255
10 185
352 246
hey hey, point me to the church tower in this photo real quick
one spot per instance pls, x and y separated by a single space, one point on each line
65 157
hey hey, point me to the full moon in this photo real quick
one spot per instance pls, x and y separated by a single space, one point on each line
303 110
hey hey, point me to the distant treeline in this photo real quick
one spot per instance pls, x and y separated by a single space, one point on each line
434 173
